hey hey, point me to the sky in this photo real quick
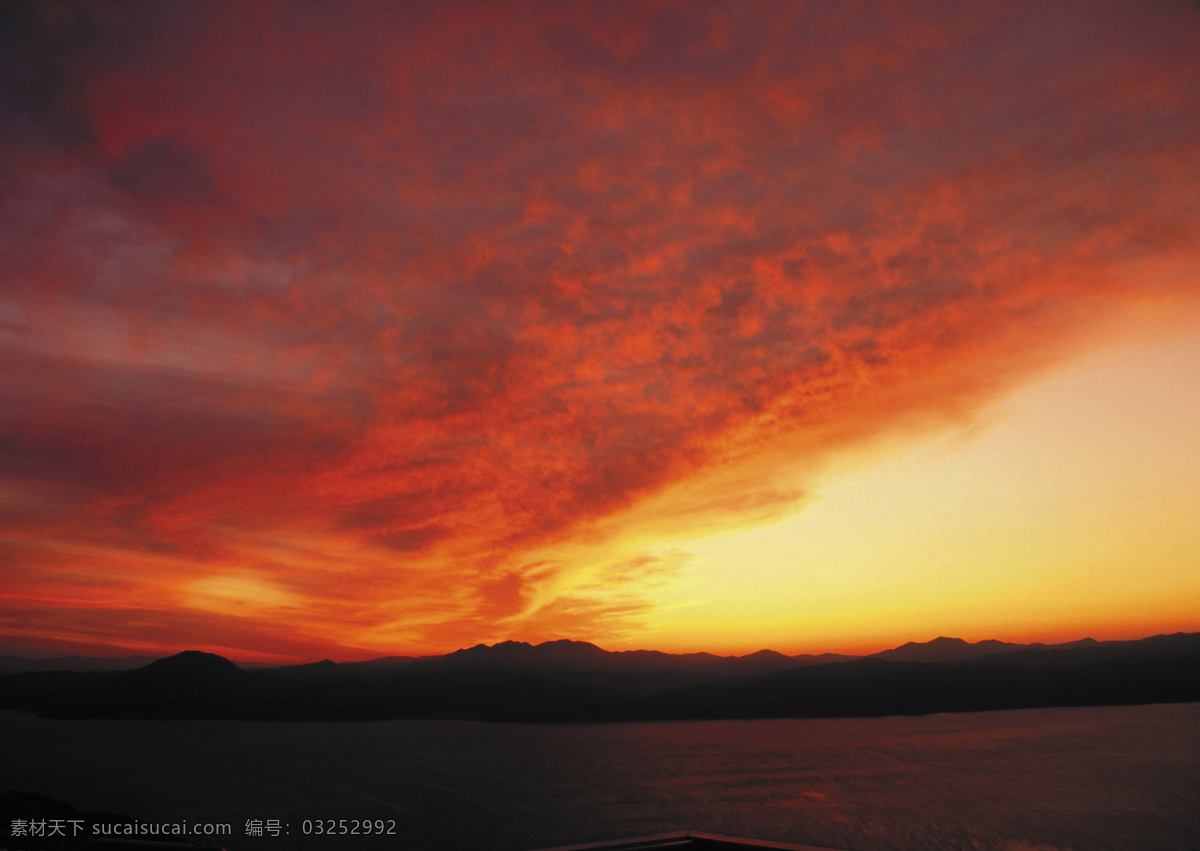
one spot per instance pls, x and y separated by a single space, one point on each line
362 329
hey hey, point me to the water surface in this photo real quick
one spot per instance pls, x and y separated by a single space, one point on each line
1098 778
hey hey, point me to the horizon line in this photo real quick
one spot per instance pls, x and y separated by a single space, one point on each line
17 653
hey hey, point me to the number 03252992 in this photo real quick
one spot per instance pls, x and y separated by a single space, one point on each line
348 827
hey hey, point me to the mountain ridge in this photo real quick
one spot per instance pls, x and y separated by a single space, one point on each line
578 681
939 649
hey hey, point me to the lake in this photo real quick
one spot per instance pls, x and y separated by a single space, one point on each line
1032 780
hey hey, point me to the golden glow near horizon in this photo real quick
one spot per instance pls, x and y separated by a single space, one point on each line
1069 508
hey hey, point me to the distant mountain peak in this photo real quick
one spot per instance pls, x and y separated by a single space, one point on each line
764 654
198 659
558 646
944 649
569 642
191 666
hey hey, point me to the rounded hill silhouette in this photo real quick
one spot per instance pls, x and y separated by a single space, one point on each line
188 684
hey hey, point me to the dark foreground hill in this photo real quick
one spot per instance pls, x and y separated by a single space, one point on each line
576 681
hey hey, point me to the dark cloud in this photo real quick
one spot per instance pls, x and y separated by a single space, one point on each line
39 80
161 171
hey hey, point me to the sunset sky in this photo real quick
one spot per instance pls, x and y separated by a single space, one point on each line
359 329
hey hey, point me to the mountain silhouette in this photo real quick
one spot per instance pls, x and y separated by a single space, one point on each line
1163 669
946 650
188 684
578 681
